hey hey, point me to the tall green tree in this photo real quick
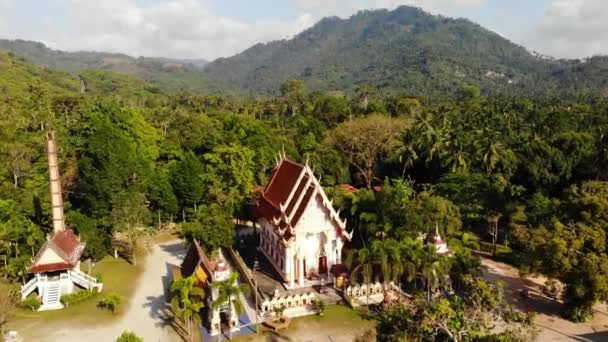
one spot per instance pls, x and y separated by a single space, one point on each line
187 300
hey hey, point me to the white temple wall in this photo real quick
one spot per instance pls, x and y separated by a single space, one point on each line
315 233
50 257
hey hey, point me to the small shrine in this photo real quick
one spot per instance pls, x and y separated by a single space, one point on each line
207 273
301 234
56 266
441 247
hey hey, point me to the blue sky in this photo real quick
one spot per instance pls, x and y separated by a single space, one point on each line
215 28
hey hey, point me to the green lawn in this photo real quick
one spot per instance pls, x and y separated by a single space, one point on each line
339 321
117 275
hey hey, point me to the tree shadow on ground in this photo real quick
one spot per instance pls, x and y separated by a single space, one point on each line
162 311
536 301
176 249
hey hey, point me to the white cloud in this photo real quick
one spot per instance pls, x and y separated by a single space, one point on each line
570 28
173 28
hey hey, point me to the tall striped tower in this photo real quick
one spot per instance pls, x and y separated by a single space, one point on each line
55 183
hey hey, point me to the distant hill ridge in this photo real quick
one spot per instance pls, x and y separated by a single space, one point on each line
405 50
175 74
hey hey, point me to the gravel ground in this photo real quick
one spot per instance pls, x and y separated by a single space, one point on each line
145 314
552 326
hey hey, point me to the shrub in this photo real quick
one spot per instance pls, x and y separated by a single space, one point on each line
32 303
128 336
78 297
320 306
111 302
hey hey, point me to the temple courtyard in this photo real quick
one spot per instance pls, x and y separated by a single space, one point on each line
144 311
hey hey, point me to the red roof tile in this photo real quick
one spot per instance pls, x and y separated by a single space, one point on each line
67 242
349 189
60 266
283 180
67 246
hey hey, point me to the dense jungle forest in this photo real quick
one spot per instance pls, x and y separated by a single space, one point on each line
132 156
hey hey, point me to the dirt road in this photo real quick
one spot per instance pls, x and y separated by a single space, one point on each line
145 315
552 326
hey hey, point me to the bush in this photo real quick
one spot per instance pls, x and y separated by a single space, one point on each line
128 336
78 297
320 306
111 302
32 303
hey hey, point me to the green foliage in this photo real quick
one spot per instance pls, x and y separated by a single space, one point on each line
187 180
111 302
128 336
32 302
470 317
212 227
78 297
187 299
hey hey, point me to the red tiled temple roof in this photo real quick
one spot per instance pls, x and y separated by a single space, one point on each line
347 188
67 242
287 195
66 245
60 266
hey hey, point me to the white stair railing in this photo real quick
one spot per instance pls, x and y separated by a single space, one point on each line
84 280
29 287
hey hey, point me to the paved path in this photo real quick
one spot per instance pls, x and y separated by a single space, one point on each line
145 314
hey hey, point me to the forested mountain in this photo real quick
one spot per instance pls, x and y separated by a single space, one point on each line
405 50
174 74
402 51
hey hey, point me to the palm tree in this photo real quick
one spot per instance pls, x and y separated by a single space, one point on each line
187 300
433 270
230 292
365 259
412 252
361 262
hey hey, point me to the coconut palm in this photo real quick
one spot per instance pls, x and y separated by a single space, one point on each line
230 292
434 271
187 300
412 253
361 262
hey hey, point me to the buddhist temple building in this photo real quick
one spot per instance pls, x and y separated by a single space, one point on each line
56 266
301 234
207 273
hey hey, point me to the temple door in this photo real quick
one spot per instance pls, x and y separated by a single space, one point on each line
304 265
322 264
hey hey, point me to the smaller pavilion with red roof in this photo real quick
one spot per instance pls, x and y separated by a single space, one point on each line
197 264
56 267
301 234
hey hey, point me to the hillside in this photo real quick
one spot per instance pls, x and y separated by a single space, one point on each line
407 50
402 51
173 74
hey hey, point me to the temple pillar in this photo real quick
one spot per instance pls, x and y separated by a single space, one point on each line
328 259
215 321
300 270
234 319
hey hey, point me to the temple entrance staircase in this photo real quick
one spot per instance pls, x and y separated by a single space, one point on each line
51 296
84 280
